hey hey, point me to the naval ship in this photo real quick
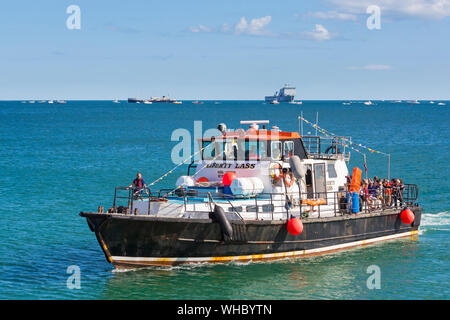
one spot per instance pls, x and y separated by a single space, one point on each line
254 194
286 94
164 99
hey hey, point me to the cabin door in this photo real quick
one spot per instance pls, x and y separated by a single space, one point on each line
319 180
309 182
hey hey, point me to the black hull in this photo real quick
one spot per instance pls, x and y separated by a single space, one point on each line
134 241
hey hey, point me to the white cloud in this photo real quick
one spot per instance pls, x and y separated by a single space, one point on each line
255 27
424 9
372 67
320 33
333 15
200 28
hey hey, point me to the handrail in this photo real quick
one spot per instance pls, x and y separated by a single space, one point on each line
339 201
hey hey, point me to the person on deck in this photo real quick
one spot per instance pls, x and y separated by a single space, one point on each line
138 185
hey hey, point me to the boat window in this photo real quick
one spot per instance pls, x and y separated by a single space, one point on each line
331 171
288 149
251 150
319 180
262 149
251 208
231 149
267 207
234 209
213 150
276 150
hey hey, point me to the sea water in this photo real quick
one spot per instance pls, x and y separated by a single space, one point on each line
60 159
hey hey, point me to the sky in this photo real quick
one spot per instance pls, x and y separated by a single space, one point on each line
205 49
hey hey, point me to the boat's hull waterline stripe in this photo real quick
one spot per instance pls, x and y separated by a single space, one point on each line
120 261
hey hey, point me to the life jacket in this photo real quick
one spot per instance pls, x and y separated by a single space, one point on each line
138 183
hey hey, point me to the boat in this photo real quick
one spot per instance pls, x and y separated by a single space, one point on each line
368 103
274 102
441 104
346 103
50 101
164 99
116 101
286 94
177 102
197 102
31 101
147 102
61 101
296 102
255 194
431 102
413 101
42 101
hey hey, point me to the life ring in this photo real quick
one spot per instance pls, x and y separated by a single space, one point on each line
288 179
314 202
276 171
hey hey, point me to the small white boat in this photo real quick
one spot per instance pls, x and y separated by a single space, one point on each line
116 101
441 104
296 102
431 102
413 101
50 101
32 101
346 103
274 102
147 102
368 103
61 101
177 102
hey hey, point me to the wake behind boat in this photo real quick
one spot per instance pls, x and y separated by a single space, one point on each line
254 195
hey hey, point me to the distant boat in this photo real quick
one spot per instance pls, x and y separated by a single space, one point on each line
147 102
368 103
217 102
286 94
398 101
31 101
413 101
42 101
346 103
61 101
177 102
296 102
116 101
431 102
441 104
197 102
274 102
50 101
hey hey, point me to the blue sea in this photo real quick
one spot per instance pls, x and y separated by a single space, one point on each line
60 159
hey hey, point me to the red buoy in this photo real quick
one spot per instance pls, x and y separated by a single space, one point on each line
295 226
407 216
203 179
228 177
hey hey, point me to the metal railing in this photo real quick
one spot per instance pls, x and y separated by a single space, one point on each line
326 147
333 203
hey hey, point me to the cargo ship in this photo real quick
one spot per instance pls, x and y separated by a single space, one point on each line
254 194
286 94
